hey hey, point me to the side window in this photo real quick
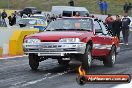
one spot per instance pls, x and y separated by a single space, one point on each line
25 10
67 13
97 27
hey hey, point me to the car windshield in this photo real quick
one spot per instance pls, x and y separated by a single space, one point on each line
71 24
28 21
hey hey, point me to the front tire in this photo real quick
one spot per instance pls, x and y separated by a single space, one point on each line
110 59
33 61
87 58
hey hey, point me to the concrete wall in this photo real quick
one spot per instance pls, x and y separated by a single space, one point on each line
5 34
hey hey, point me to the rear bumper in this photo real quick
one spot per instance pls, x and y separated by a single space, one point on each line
54 48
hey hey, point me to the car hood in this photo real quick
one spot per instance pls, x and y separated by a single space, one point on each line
54 36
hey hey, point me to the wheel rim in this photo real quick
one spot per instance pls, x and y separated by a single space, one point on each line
89 59
113 57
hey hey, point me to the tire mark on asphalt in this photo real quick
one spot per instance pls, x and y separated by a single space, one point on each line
46 77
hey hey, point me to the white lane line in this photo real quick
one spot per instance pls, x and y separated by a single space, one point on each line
18 84
129 85
47 76
40 80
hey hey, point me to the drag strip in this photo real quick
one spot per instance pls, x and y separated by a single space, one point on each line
16 73
51 75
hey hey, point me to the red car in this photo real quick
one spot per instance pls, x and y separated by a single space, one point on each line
81 38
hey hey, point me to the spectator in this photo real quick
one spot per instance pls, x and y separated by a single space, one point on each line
71 3
101 7
60 16
77 14
4 15
125 27
10 20
13 19
125 7
48 18
109 21
116 27
15 13
105 6
53 18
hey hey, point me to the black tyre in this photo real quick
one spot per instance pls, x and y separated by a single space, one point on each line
110 60
33 61
63 62
87 58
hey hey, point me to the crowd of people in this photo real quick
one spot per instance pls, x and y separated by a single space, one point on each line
12 19
15 17
118 25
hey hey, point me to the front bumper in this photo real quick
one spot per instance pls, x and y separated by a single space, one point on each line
54 48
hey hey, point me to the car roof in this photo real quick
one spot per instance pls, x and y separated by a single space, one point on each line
70 8
76 18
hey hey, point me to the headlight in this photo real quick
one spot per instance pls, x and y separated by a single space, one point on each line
32 41
70 40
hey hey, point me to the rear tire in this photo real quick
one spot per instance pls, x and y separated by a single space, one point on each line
110 59
63 62
87 58
33 61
